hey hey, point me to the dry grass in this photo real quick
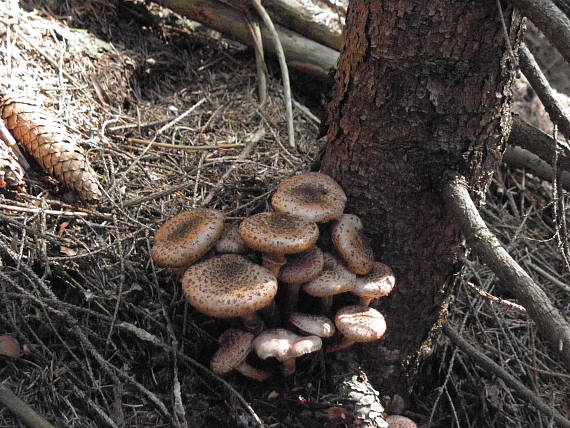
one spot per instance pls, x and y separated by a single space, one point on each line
108 338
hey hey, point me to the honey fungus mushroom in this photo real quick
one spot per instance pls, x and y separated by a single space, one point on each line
285 346
186 237
230 242
378 283
275 235
312 196
349 242
358 324
228 286
235 346
399 421
316 325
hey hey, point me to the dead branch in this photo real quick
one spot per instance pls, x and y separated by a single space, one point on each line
302 53
550 322
550 20
539 83
21 409
488 364
541 144
520 158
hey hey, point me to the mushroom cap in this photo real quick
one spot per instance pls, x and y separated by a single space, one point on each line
303 267
275 342
334 279
399 421
305 345
228 286
186 237
10 347
230 241
378 283
317 325
350 244
360 323
235 346
312 196
276 233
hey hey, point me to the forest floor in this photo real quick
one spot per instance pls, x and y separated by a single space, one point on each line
107 336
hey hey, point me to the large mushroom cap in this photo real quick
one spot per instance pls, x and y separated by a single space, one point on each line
186 237
378 283
303 267
360 323
334 279
350 244
312 196
235 346
276 233
228 286
317 325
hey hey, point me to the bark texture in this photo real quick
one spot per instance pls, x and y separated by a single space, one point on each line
421 88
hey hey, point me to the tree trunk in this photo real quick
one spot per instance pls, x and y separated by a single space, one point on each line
422 88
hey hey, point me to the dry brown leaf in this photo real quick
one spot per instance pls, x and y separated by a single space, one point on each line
47 140
68 251
10 347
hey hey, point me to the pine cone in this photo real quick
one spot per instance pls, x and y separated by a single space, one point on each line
11 173
47 140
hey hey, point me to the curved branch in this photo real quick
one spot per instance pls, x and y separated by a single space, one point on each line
510 380
539 83
550 322
521 158
550 20
21 409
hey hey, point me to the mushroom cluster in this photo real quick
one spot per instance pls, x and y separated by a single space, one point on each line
307 247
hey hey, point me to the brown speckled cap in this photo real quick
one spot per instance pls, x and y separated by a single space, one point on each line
230 242
186 237
378 283
276 233
399 421
312 196
228 286
235 346
360 323
347 238
303 267
334 279
317 325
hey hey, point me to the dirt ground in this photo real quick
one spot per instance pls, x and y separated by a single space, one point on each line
108 338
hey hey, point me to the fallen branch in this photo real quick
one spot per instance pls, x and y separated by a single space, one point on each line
550 322
488 364
550 20
520 158
21 409
539 83
302 53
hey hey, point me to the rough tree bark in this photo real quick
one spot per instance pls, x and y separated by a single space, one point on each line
422 88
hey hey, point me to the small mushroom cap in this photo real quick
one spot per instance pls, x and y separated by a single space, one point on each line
276 233
378 283
303 267
228 286
350 244
275 342
360 323
10 347
317 325
230 241
399 421
305 345
334 279
235 346
312 196
186 237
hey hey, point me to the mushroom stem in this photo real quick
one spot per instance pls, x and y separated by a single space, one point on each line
251 372
326 304
365 301
288 366
343 344
274 262
253 323
271 314
292 299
